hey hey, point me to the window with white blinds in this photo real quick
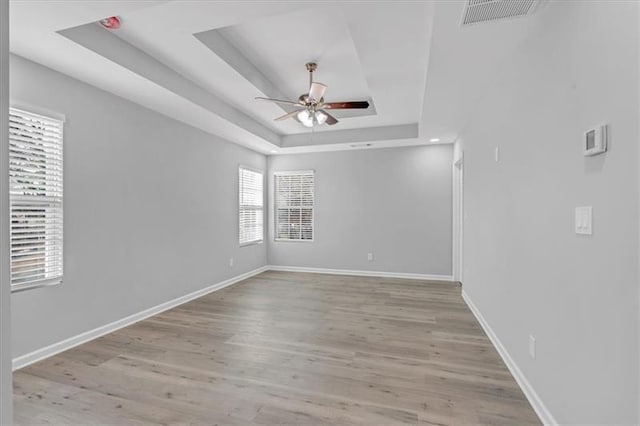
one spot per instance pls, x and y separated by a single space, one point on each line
294 199
251 206
35 183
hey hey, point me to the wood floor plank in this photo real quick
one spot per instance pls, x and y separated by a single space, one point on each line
286 348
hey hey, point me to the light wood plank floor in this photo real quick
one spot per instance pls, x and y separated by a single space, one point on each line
286 348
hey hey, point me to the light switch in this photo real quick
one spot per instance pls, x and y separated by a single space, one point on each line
583 220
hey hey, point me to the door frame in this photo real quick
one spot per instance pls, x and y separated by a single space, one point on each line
458 212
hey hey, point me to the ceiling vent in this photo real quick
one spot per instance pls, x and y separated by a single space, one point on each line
477 11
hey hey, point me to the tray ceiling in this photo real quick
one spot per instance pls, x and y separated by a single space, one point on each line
204 62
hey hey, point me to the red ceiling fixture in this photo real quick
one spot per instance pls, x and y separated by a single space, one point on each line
112 23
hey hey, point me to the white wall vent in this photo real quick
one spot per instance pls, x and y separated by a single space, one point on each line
477 11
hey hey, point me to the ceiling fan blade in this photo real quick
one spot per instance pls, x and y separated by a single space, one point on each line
280 101
347 105
288 115
316 91
331 120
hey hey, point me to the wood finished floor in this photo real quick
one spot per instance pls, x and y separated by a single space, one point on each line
286 348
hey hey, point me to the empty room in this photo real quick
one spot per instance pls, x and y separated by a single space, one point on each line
319 212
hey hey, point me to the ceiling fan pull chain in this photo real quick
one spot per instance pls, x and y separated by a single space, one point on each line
311 135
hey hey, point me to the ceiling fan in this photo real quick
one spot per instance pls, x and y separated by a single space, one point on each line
311 108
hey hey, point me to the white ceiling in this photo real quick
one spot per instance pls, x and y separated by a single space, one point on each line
412 60
281 45
464 64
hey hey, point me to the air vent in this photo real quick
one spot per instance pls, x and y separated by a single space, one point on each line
477 11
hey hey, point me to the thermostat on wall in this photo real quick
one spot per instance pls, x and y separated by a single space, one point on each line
595 140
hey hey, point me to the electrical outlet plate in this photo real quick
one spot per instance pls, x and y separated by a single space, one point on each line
370 257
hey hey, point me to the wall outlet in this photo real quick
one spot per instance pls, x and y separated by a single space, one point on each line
370 257
532 347
496 154
231 262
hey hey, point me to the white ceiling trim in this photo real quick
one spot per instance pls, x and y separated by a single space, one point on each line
347 136
393 143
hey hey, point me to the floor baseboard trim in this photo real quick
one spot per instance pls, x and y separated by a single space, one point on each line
534 399
47 351
429 277
55 348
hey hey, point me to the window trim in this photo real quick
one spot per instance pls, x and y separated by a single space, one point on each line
61 119
275 206
254 242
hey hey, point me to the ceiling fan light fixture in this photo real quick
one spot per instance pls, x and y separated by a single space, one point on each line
305 118
316 91
320 117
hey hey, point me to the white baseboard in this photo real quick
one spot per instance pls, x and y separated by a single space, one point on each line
40 354
534 399
545 415
47 351
361 273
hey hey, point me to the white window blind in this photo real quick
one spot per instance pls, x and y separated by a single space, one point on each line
35 183
251 206
294 193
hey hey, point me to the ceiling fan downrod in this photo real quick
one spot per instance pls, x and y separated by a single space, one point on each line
311 67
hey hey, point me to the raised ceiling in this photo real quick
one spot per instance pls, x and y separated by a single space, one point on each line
204 62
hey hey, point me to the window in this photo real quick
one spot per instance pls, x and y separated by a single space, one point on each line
251 206
35 185
294 206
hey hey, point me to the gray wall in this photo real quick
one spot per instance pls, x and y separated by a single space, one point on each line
6 401
525 268
150 210
395 203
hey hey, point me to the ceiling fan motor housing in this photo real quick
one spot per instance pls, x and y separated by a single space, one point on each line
305 99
